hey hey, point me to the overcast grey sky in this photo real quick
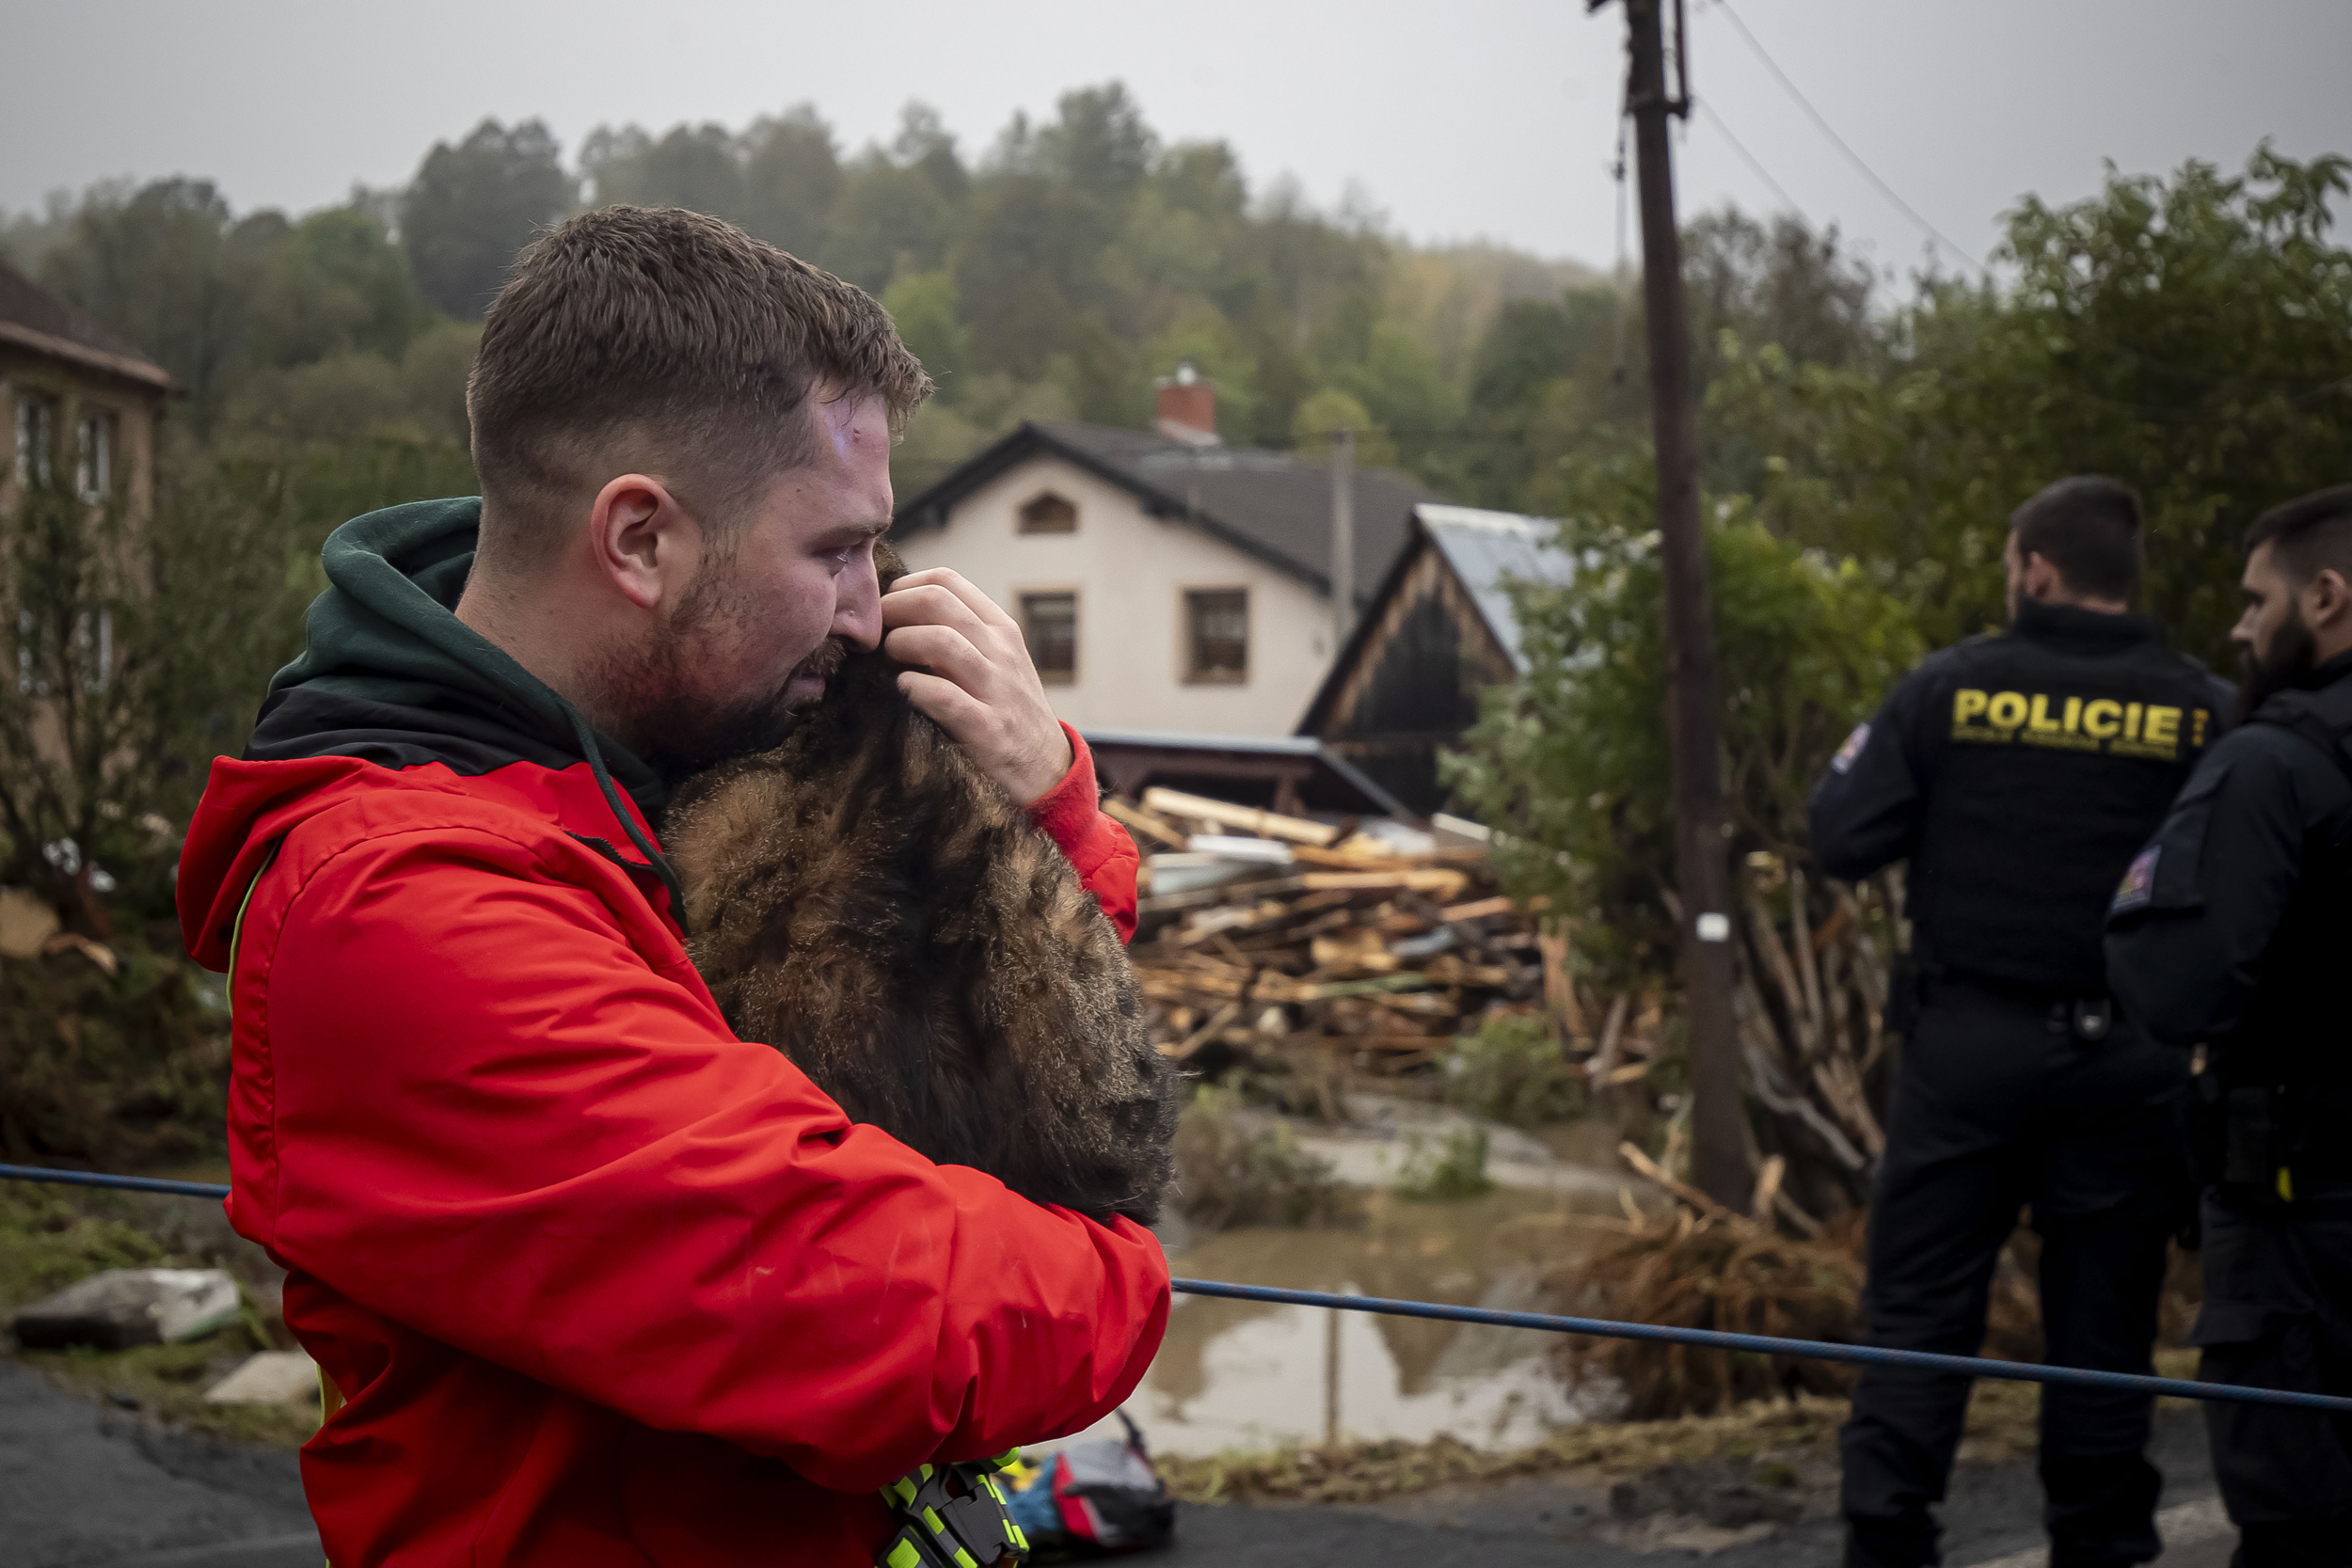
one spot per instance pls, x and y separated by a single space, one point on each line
1476 119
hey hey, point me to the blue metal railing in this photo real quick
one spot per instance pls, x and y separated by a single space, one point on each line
1601 1328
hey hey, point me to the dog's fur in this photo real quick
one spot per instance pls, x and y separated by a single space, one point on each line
866 901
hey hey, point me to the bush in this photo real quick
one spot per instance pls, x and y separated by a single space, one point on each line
1458 1173
128 1068
1738 1277
1236 1170
1513 1072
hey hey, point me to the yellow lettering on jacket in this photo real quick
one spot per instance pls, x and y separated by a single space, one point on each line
2131 720
2041 723
1967 703
2197 727
2103 716
2007 710
2163 726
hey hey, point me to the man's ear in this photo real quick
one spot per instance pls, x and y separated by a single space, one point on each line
645 543
2328 601
2040 581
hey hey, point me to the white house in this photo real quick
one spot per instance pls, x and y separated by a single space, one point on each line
1165 582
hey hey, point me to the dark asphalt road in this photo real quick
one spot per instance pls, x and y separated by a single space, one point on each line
83 1486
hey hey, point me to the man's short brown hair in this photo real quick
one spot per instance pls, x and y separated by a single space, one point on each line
643 337
2088 527
2308 534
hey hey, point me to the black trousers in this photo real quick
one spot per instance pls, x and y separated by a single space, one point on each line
2277 1314
1994 1111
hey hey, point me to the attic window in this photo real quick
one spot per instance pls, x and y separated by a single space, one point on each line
1047 513
1049 623
1216 621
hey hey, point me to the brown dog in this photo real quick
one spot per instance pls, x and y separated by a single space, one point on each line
868 902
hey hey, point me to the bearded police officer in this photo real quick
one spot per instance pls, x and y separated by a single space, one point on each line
2018 774
2233 930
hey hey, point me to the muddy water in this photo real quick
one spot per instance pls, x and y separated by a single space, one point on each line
1248 1374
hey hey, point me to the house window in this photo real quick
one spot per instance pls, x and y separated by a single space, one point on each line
35 435
93 456
1217 642
1048 512
1050 622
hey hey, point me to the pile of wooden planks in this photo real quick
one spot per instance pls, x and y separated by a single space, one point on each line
1263 934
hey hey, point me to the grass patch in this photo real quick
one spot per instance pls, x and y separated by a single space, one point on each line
1456 1172
2002 1423
1237 1170
1513 1072
48 1241
168 1382
1364 1472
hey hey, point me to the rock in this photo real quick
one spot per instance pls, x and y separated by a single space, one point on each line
26 923
272 1377
131 1307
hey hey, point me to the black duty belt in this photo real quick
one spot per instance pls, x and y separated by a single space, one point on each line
2087 1017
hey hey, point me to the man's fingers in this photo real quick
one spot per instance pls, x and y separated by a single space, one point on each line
931 604
953 708
957 586
942 651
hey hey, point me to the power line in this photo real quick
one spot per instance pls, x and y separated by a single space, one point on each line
1750 159
1831 132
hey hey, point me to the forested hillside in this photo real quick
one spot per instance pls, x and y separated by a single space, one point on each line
1054 274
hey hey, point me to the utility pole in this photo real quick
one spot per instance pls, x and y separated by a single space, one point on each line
1695 703
1343 538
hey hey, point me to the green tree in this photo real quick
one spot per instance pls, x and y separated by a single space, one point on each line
2191 337
889 219
1570 764
169 269
1098 145
693 167
924 143
792 176
334 283
473 205
923 307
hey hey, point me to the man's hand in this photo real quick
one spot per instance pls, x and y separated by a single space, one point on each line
975 678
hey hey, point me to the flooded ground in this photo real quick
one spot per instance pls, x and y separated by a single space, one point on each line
1255 1376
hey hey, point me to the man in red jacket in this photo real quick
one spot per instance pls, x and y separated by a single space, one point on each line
600 1284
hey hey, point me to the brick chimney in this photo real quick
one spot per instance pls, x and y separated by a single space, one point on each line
1189 408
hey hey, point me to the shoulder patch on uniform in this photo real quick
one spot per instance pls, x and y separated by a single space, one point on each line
1843 762
2138 889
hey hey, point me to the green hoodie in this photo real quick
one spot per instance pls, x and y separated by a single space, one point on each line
388 672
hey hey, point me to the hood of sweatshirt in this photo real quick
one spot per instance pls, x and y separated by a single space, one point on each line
389 675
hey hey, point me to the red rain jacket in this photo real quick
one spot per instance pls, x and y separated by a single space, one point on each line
602 1283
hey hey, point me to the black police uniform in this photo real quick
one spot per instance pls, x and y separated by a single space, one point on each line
2018 774
2234 929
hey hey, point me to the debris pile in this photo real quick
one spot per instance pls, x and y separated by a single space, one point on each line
1267 935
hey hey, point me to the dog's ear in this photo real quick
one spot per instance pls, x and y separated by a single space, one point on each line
887 567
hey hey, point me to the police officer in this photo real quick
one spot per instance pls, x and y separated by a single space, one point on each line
2018 774
2233 928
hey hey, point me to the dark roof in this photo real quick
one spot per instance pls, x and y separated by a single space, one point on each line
1269 504
31 317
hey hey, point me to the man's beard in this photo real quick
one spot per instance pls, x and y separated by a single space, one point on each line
2294 655
678 732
